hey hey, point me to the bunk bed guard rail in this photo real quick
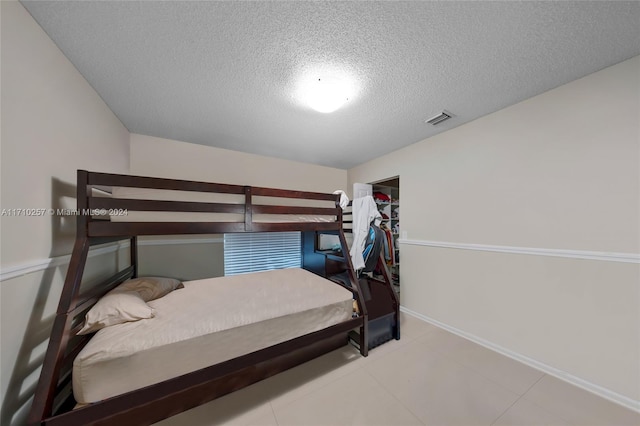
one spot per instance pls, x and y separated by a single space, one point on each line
100 226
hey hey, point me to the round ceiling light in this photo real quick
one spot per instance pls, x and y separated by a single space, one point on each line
325 93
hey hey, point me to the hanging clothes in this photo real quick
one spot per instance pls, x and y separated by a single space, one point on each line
390 247
381 196
365 211
344 200
385 245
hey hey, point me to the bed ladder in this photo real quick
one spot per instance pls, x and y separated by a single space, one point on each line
376 300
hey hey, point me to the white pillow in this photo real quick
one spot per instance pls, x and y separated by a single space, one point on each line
116 307
126 302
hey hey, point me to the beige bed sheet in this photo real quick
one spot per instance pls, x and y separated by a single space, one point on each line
207 322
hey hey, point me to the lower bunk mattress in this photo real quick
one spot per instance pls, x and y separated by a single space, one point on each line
207 322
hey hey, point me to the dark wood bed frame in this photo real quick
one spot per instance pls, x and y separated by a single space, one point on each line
53 402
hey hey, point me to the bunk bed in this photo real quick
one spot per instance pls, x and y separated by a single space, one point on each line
157 206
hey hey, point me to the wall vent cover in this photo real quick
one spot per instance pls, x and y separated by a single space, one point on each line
444 115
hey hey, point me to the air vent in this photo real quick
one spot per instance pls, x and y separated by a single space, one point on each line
444 115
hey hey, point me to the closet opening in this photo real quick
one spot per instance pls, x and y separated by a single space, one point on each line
386 194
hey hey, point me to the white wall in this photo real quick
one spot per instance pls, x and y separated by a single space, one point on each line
152 156
560 171
183 257
53 123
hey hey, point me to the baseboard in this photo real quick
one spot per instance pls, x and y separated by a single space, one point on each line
608 394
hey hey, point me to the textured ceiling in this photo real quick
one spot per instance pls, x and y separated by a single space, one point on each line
225 73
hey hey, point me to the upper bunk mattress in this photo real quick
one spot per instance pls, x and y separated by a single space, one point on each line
207 322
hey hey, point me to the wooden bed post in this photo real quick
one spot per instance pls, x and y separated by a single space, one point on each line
133 251
364 329
248 214
45 391
382 265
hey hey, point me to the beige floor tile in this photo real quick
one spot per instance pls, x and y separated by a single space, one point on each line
525 413
355 399
411 328
579 407
246 407
505 371
444 342
310 376
384 349
430 376
439 390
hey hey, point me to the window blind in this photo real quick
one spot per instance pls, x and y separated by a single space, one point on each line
261 251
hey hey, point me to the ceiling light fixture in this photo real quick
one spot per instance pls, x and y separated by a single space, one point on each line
325 93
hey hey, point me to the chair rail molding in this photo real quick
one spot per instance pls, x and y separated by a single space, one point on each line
52 262
573 254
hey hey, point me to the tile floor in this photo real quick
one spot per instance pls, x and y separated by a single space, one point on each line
429 377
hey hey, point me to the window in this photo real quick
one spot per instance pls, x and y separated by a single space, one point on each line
261 251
